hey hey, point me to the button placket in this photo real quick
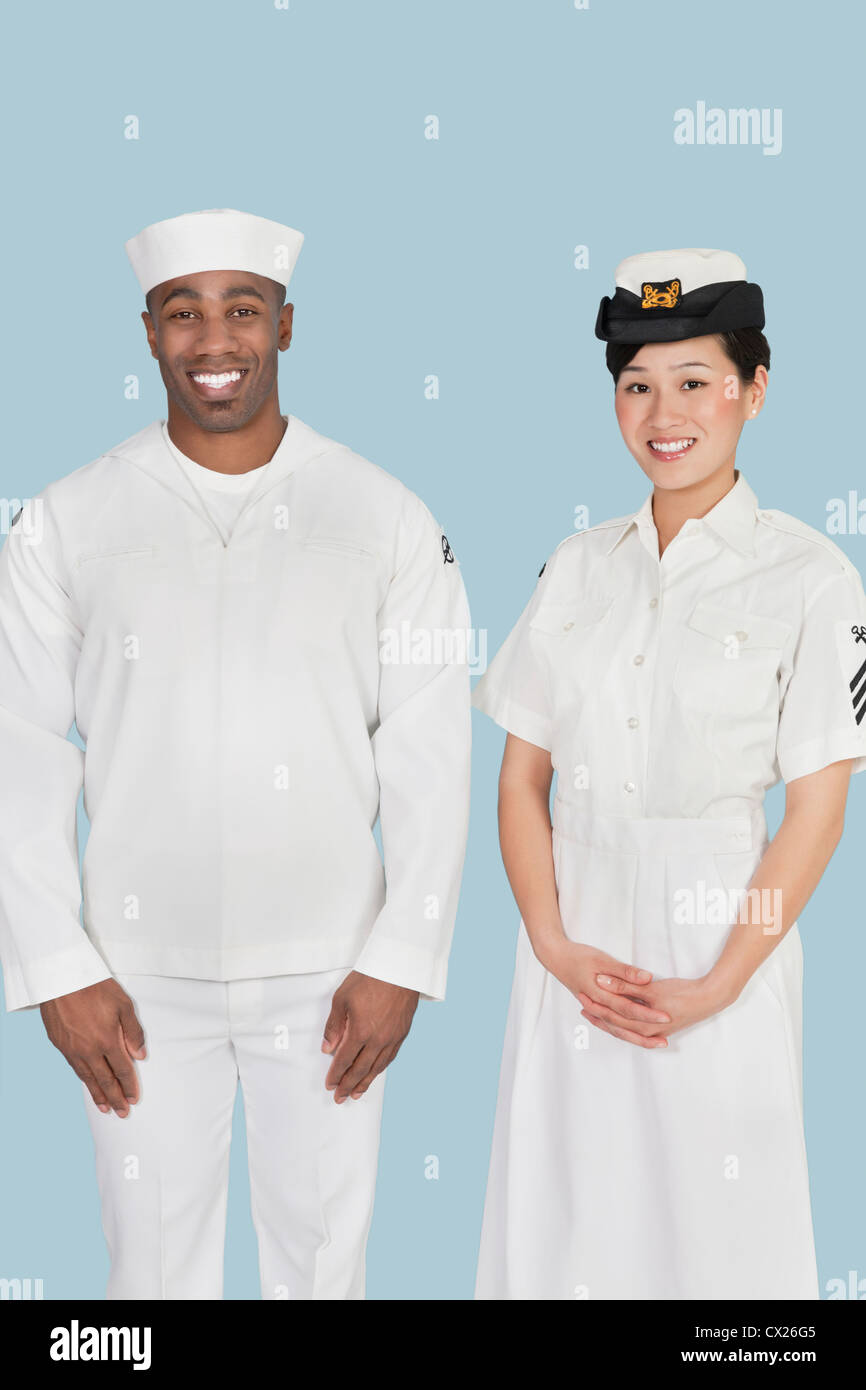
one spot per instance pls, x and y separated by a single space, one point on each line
641 662
636 754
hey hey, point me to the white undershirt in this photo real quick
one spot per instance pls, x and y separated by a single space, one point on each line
226 492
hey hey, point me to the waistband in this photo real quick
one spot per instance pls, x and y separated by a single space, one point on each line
661 834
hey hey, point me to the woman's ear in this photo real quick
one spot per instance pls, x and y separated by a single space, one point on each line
757 391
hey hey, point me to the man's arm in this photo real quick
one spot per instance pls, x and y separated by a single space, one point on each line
421 748
44 951
48 959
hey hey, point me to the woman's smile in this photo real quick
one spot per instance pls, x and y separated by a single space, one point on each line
672 448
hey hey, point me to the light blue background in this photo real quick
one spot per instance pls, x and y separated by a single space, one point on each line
451 257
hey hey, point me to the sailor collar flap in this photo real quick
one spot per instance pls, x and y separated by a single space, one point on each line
149 451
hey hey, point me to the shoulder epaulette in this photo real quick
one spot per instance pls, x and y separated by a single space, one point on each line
793 526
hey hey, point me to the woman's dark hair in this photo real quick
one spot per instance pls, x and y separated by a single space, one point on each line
746 347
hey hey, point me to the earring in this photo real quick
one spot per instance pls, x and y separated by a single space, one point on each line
754 412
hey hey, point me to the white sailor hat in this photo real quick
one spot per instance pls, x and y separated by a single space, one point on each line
663 296
217 239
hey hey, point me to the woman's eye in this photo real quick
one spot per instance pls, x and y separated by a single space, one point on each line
638 387
694 383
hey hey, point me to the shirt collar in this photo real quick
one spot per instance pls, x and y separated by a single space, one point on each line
733 518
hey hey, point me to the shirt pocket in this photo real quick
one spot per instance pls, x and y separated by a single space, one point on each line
729 661
337 545
561 620
132 552
127 591
567 638
328 594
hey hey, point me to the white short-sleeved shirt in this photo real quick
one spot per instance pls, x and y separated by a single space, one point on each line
687 685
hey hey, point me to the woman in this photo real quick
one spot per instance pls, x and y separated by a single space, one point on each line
670 666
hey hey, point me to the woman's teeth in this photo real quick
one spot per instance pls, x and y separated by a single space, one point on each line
215 382
674 446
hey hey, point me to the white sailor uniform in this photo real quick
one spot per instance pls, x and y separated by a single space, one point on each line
672 693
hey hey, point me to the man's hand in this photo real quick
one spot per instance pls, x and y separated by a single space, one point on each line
98 1033
366 1026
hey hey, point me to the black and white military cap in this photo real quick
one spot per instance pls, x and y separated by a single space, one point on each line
662 296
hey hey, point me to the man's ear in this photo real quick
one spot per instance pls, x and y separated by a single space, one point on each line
150 330
284 330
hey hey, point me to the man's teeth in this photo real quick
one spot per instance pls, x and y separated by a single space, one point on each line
676 446
207 379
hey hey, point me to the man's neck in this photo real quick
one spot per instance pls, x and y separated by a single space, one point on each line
228 451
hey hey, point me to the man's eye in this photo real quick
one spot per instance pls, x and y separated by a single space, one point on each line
243 310
180 313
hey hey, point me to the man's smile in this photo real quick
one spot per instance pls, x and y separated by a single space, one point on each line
218 385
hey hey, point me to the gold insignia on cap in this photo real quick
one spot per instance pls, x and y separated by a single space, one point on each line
661 296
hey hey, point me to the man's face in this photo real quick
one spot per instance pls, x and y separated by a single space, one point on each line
216 335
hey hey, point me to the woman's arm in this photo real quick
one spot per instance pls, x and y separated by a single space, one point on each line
789 873
526 843
793 864
527 852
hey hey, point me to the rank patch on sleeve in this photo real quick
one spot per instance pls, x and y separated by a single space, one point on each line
447 552
857 684
661 296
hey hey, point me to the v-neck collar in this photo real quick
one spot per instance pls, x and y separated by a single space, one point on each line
149 451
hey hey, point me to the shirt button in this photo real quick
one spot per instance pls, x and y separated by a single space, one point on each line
741 636
567 627
653 603
628 786
638 660
632 723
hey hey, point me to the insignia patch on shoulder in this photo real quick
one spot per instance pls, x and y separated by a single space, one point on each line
543 568
661 296
857 685
15 517
447 552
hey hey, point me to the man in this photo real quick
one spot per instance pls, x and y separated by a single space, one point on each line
262 640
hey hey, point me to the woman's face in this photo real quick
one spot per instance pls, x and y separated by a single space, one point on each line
681 407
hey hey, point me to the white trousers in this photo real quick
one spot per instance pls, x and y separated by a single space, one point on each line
163 1170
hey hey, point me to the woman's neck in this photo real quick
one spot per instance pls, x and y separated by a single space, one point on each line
673 507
